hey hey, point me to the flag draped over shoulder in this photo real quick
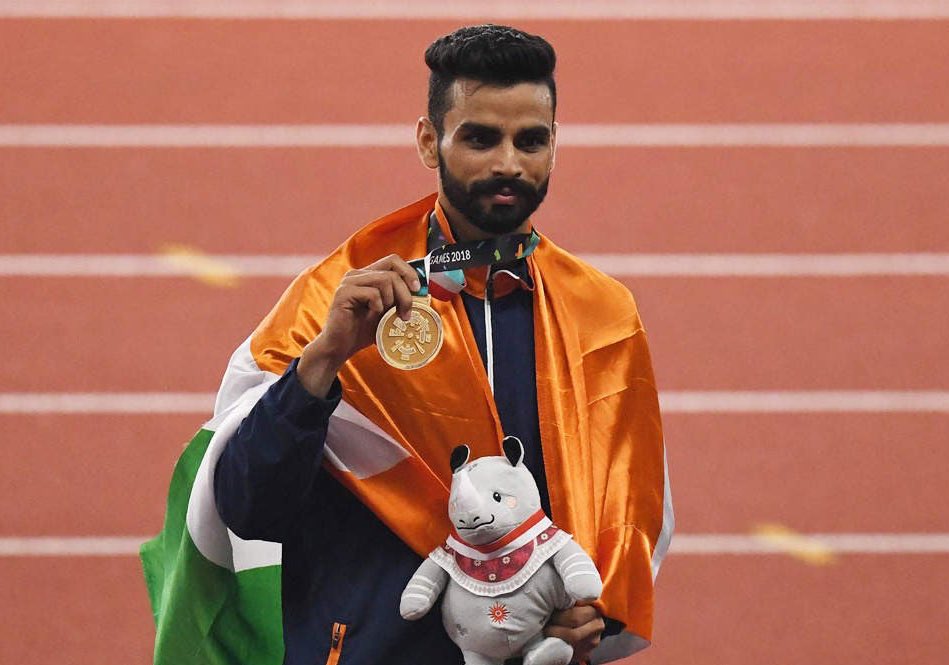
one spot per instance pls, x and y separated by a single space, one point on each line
389 441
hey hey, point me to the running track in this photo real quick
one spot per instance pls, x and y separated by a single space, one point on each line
833 452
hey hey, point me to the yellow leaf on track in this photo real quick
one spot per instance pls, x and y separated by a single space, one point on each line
202 267
799 546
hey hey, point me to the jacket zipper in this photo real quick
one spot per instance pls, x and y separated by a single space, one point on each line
488 334
336 644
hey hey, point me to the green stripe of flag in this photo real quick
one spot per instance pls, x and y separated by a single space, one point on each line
206 614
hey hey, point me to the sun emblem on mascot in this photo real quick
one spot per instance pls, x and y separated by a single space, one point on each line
498 613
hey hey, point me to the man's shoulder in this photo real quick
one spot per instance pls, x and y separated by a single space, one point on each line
587 282
602 308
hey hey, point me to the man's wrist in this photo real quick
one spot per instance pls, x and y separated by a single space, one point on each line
317 369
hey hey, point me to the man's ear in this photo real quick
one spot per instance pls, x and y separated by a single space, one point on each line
553 145
426 141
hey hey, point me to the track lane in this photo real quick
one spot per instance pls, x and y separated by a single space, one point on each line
820 333
90 475
811 472
108 475
296 201
667 71
171 335
874 610
176 335
84 611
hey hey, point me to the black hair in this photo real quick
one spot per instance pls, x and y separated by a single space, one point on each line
493 54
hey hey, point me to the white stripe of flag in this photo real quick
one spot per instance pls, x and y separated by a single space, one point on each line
682 544
379 136
618 265
471 9
671 401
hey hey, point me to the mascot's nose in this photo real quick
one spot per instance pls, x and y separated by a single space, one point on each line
466 497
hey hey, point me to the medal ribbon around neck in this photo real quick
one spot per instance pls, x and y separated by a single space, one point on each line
415 343
441 271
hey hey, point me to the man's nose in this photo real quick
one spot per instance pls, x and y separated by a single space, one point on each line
507 161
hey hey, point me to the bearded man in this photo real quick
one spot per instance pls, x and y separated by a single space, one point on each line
329 456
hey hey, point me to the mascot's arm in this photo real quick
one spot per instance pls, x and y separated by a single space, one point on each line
580 577
423 590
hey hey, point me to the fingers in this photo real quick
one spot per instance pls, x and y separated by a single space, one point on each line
373 298
583 650
575 616
361 299
580 627
396 264
576 634
390 287
394 278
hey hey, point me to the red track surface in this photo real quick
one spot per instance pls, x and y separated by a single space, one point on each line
86 475
372 71
706 334
109 480
672 199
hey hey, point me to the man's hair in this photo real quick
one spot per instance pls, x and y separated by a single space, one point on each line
492 54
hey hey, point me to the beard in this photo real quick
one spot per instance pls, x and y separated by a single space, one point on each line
495 219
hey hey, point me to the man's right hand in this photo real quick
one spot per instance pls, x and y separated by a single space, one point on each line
361 299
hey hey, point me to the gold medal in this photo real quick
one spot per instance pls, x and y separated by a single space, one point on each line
414 343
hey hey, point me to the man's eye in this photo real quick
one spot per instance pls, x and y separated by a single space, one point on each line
497 497
532 143
478 141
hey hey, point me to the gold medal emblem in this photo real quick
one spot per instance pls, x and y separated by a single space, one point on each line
414 343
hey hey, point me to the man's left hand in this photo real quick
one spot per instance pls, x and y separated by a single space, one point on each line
580 627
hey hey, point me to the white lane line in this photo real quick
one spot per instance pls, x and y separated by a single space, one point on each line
671 401
811 401
682 544
618 265
755 135
71 546
381 135
203 136
471 9
768 265
89 403
837 543
145 265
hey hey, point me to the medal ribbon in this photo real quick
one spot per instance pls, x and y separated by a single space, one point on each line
441 271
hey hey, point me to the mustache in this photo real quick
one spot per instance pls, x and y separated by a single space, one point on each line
497 185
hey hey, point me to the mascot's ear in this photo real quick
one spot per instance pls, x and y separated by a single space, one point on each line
459 456
513 450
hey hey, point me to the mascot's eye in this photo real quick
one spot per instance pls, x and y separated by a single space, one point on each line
497 497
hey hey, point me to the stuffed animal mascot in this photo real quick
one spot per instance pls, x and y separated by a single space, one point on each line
504 569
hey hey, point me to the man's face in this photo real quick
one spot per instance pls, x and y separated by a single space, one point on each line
496 154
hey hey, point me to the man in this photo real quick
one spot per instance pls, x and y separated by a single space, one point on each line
322 447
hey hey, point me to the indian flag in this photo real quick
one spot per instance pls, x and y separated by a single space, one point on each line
216 597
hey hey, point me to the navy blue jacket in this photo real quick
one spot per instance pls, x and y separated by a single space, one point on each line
341 564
